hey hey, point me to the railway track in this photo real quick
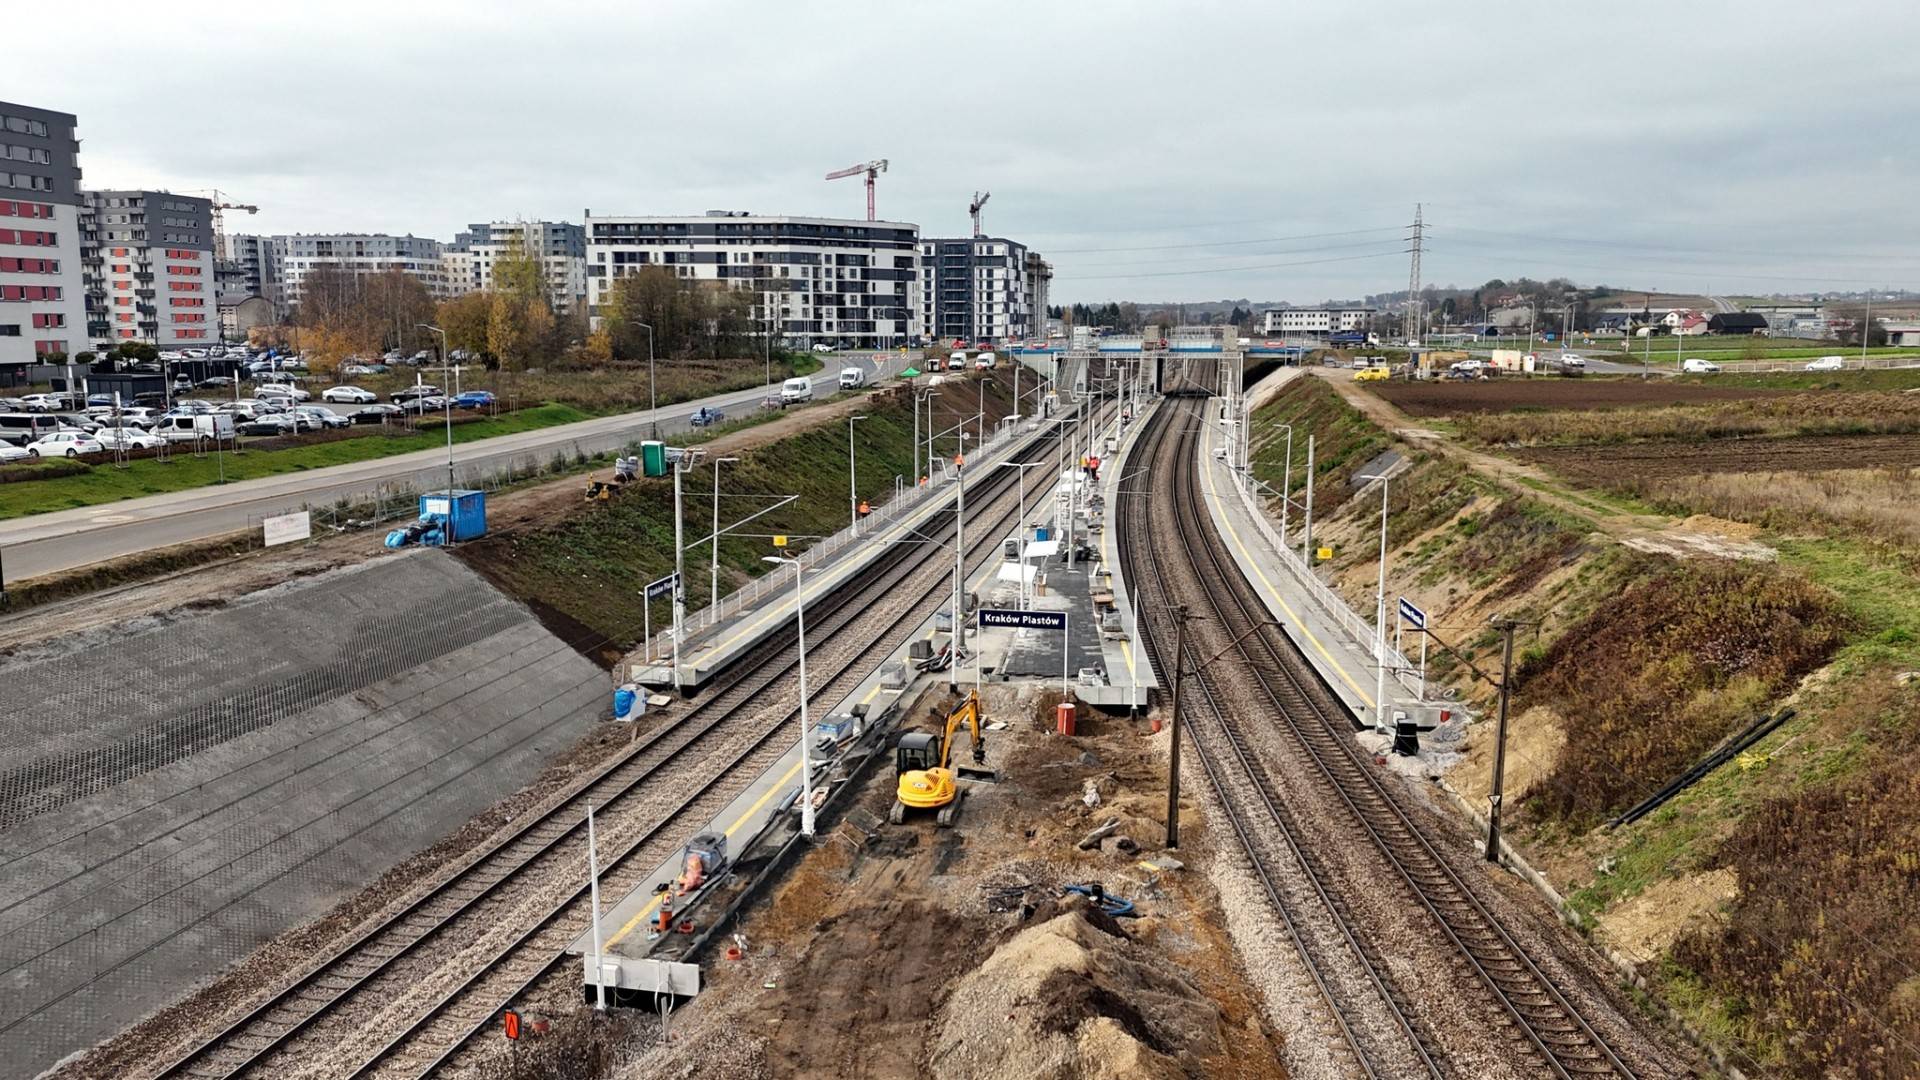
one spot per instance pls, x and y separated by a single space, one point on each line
1272 839
465 914
1266 675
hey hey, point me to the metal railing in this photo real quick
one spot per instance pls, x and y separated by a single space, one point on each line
1357 628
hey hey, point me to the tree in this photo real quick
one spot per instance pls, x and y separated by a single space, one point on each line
1846 320
465 319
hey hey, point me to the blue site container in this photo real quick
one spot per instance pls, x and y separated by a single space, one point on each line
1040 532
465 512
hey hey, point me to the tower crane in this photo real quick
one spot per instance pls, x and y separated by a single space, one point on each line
872 168
979 200
218 199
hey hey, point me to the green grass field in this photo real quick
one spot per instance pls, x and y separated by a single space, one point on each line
105 484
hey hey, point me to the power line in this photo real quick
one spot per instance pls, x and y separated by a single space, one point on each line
1235 254
1242 269
1229 243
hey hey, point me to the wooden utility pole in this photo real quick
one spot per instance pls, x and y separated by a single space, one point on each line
1506 627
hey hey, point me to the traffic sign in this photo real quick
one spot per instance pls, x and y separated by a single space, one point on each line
660 588
1023 620
1411 615
510 1021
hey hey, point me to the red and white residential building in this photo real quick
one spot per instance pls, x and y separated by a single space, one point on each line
149 268
41 308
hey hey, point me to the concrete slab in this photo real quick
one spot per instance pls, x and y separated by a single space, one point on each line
176 793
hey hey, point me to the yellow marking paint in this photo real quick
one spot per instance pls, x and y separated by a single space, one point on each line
1226 522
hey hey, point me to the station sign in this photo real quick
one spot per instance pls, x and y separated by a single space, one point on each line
660 588
286 528
1411 615
1023 620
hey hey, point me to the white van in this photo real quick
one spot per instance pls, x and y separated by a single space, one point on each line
177 428
796 390
852 378
985 361
958 361
1694 365
23 428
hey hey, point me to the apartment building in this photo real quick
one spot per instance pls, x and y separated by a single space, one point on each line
560 247
363 254
42 303
149 268
246 266
1312 322
821 280
981 288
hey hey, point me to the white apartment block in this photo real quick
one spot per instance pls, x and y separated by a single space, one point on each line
42 305
823 280
561 248
149 268
364 254
980 289
1315 321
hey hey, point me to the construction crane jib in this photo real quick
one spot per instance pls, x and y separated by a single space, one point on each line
973 209
872 168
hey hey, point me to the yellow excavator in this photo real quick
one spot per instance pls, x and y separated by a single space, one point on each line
920 759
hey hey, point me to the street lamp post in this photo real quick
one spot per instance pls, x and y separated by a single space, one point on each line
653 401
1181 615
446 362
853 490
713 596
806 754
1380 613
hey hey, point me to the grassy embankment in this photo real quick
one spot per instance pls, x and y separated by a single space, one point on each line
1769 902
589 568
530 402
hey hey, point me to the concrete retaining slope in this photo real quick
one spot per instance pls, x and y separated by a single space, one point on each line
178 791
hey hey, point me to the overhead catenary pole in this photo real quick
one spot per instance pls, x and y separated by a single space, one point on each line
1173 750
713 595
1306 510
1380 707
679 566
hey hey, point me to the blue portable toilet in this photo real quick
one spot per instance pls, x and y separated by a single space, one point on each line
464 511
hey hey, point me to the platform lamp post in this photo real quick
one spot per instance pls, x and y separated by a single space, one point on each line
806 756
446 361
713 595
1380 613
1181 614
1020 523
653 401
853 480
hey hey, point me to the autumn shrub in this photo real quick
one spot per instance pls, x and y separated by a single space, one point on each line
1820 949
1651 680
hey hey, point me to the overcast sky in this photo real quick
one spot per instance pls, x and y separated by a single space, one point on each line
1169 150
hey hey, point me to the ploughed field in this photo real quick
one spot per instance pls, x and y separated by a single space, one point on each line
1439 398
1607 465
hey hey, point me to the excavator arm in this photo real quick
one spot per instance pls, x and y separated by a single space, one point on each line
969 711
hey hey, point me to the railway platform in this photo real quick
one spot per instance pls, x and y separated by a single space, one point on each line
742 620
1334 637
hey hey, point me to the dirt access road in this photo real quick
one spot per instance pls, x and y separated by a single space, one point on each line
1648 532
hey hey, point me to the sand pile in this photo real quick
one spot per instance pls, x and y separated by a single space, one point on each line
1073 997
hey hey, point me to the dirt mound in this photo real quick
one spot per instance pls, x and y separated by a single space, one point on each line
1066 998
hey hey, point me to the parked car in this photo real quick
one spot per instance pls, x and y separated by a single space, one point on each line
10 452
350 395
420 406
823 347
1827 363
706 417
76 421
95 401
1372 374
376 414
322 418
43 403
216 382
1694 365
64 444
270 424
276 392
416 391
474 399
130 438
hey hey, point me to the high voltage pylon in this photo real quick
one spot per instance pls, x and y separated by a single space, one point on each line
1413 275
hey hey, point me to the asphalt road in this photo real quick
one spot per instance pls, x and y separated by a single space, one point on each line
65 539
